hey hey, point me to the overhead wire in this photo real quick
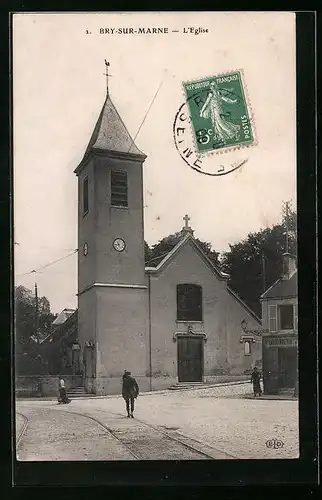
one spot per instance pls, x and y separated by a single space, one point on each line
146 114
47 265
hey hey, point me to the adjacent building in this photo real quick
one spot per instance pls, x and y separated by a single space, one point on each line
60 348
280 331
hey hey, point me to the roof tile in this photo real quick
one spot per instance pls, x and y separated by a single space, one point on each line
282 288
110 133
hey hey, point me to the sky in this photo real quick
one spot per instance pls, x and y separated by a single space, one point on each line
58 91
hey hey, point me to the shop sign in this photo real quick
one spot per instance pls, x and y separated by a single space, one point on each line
281 342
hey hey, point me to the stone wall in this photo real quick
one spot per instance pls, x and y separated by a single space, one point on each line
43 385
113 385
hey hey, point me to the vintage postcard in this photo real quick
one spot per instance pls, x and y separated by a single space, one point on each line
155 236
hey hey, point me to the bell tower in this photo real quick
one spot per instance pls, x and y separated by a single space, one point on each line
112 290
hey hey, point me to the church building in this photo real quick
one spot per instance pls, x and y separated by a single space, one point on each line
176 322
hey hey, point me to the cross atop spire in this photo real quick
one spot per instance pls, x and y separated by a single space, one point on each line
107 64
186 228
186 219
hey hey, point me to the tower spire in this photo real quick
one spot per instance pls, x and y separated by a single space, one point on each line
110 135
107 64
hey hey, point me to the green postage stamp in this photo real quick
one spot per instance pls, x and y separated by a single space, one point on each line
219 112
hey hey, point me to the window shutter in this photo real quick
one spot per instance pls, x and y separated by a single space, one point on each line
119 188
295 317
272 317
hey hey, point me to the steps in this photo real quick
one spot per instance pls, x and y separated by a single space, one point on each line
77 392
187 385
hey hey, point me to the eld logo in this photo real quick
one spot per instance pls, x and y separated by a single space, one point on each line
274 443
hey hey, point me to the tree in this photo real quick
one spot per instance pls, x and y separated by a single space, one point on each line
24 314
147 252
29 329
255 263
45 317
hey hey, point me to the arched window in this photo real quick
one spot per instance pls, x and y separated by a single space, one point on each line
189 302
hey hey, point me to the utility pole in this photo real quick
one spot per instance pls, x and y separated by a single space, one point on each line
263 273
36 313
286 207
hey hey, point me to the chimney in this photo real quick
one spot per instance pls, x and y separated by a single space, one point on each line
289 265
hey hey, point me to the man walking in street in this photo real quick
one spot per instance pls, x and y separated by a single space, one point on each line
255 379
130 391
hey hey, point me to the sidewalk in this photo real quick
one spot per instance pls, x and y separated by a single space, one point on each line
148 393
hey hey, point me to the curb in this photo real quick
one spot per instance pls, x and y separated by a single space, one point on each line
269 397
206 386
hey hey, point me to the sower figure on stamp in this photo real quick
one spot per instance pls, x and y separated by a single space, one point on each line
130 391
255 379
223 129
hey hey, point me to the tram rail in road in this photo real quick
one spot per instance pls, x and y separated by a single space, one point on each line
144 441
23 428
126 438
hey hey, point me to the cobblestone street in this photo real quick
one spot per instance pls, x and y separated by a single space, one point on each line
215 422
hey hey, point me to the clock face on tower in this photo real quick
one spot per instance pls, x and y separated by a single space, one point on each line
119 244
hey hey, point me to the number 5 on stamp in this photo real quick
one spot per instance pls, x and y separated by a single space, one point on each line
220 115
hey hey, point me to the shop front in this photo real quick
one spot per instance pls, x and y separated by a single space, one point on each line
280 361
280 332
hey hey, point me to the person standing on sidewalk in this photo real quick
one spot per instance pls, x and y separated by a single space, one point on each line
130 391
62 392
255 379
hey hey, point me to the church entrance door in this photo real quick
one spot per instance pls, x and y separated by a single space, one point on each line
88 366
190 359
